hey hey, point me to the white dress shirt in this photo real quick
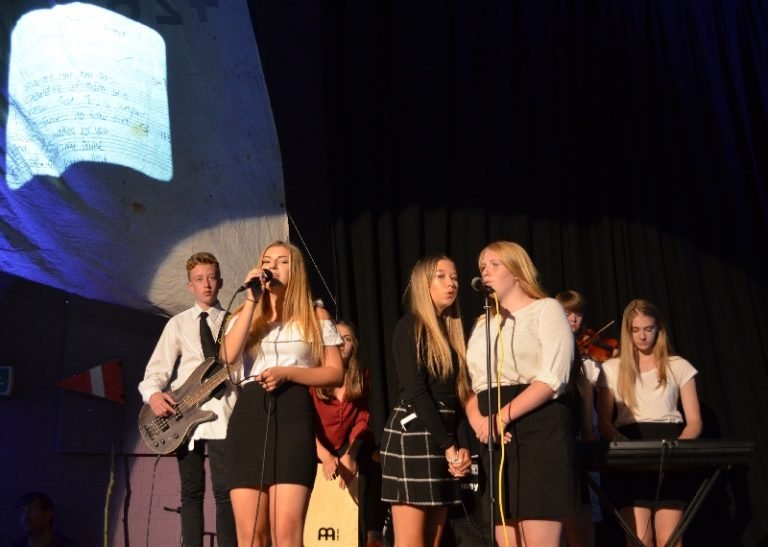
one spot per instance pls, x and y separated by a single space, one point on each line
181 340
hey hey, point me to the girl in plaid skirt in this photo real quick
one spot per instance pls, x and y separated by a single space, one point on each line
421 458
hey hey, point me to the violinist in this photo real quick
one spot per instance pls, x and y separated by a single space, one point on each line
590 352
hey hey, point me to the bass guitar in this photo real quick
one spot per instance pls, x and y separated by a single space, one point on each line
164 434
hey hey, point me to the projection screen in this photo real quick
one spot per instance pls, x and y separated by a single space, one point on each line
135 133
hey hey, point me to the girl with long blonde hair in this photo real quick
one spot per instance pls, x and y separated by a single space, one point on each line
421 455
639 394
532 351
286 344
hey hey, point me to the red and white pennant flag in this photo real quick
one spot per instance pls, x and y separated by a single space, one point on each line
104 380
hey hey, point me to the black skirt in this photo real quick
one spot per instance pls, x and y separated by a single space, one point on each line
271 437
650 489
540 476
413 470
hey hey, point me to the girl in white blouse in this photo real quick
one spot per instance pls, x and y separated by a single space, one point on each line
531 355
286 344
638 396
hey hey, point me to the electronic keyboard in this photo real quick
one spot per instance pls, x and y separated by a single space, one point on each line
672 454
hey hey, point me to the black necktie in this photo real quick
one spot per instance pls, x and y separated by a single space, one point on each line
206 337
210 350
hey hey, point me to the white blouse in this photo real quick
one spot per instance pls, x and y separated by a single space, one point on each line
537 345
284 346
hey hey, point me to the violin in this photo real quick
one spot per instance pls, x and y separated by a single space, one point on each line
590 344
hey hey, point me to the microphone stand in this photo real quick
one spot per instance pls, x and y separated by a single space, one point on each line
491 474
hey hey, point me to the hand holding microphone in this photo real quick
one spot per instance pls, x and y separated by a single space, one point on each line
256 281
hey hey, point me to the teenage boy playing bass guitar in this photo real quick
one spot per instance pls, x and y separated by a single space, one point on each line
182 340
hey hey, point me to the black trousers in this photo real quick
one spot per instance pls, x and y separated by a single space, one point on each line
192 474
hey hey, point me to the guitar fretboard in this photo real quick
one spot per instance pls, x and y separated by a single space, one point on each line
204 390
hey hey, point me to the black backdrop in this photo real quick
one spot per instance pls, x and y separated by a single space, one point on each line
622 143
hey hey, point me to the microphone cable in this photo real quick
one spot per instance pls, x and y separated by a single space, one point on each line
220 338
269 415
226 363
499 422
261 474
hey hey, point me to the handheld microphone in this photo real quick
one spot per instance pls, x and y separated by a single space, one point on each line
266 275
479 286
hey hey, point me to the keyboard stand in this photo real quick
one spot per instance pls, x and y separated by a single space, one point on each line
717 455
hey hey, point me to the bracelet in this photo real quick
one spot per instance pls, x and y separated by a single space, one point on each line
509 416
454 460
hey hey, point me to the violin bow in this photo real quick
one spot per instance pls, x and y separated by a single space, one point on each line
605 327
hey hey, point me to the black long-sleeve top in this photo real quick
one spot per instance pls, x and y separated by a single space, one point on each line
418 388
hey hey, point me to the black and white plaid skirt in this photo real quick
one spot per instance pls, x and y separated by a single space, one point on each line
413 470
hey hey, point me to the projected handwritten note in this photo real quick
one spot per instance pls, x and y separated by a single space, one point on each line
86 84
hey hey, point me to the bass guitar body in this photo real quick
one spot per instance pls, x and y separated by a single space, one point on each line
165 434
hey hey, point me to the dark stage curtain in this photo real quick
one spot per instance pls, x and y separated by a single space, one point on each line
623 144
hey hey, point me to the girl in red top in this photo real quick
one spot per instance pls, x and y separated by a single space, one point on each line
344 439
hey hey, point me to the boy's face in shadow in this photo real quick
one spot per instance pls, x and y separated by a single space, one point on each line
34 518
574 320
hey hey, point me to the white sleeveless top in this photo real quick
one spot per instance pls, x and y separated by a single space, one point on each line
284 346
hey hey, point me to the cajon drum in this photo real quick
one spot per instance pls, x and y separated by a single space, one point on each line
332 514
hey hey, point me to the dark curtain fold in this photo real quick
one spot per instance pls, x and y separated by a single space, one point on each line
622 143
